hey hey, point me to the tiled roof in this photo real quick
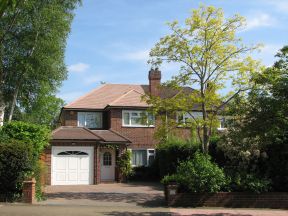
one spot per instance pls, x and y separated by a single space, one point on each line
81 133
73 133
125 95
110 136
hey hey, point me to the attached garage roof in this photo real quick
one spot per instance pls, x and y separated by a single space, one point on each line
110 136
82 133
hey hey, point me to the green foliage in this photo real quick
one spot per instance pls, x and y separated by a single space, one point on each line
124 163
33 40
199 175
209 53
257 142
249 183
31 140
39 171
16 162
35 135
173 151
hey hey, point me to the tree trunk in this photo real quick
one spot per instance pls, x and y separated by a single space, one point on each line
2 108
13 103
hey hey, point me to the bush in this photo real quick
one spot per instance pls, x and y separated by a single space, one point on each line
28 137
249 183
172 152
36 135
124 163
16 163
198 175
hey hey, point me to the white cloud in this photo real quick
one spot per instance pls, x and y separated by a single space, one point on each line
267 53
280 5
140 55
259 19
78 68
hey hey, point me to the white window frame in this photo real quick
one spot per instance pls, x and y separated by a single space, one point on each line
85 113
197 115
139 112
147 156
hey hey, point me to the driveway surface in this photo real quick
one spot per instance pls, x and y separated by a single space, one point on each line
143 199
110 194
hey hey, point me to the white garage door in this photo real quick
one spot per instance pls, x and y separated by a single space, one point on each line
72 165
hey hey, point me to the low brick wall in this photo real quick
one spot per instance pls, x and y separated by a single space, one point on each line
278 200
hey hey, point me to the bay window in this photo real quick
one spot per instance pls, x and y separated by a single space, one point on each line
90 119
137 118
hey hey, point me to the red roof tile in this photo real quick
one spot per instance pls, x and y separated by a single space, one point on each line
125 95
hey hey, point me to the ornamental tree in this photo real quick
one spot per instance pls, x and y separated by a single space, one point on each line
210 55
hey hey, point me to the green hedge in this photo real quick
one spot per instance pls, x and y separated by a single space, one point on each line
172 152
21 146
15 164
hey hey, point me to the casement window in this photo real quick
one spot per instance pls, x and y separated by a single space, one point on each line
137 118
184 118
143 157
90 119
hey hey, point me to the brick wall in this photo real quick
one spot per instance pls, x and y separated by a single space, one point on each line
70 118
141 137
229 199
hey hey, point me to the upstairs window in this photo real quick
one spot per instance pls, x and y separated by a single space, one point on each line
188 117
137 118
90 119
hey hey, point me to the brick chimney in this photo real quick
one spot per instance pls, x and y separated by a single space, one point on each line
154 81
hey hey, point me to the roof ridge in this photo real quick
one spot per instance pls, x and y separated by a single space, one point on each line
88 130
85 95
122 96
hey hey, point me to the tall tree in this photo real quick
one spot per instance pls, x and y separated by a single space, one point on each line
210 55
32 50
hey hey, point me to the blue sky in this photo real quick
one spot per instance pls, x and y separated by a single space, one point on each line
110 39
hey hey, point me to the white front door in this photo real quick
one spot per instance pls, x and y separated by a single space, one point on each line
72 165
107 157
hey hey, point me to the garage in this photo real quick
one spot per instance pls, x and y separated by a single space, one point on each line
72 165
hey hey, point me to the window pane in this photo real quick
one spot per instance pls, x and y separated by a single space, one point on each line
139 157
126 118
91 120
81 119
135 120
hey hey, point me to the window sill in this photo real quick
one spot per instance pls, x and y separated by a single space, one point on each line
135 126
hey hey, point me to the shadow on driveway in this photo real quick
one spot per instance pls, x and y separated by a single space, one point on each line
142 199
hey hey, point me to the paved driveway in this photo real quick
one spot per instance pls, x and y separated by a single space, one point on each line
113 194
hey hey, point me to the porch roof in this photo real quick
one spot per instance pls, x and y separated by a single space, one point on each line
82 133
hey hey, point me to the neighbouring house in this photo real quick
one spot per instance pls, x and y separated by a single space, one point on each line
97 127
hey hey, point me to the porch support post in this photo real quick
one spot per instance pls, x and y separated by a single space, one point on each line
97 165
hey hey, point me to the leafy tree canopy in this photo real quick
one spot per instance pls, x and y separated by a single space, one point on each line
210 55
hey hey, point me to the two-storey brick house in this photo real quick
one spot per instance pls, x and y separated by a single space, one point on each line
110 116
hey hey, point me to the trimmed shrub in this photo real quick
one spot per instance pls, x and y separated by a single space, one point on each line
198 175
16 163
172 152
36 135
28 137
